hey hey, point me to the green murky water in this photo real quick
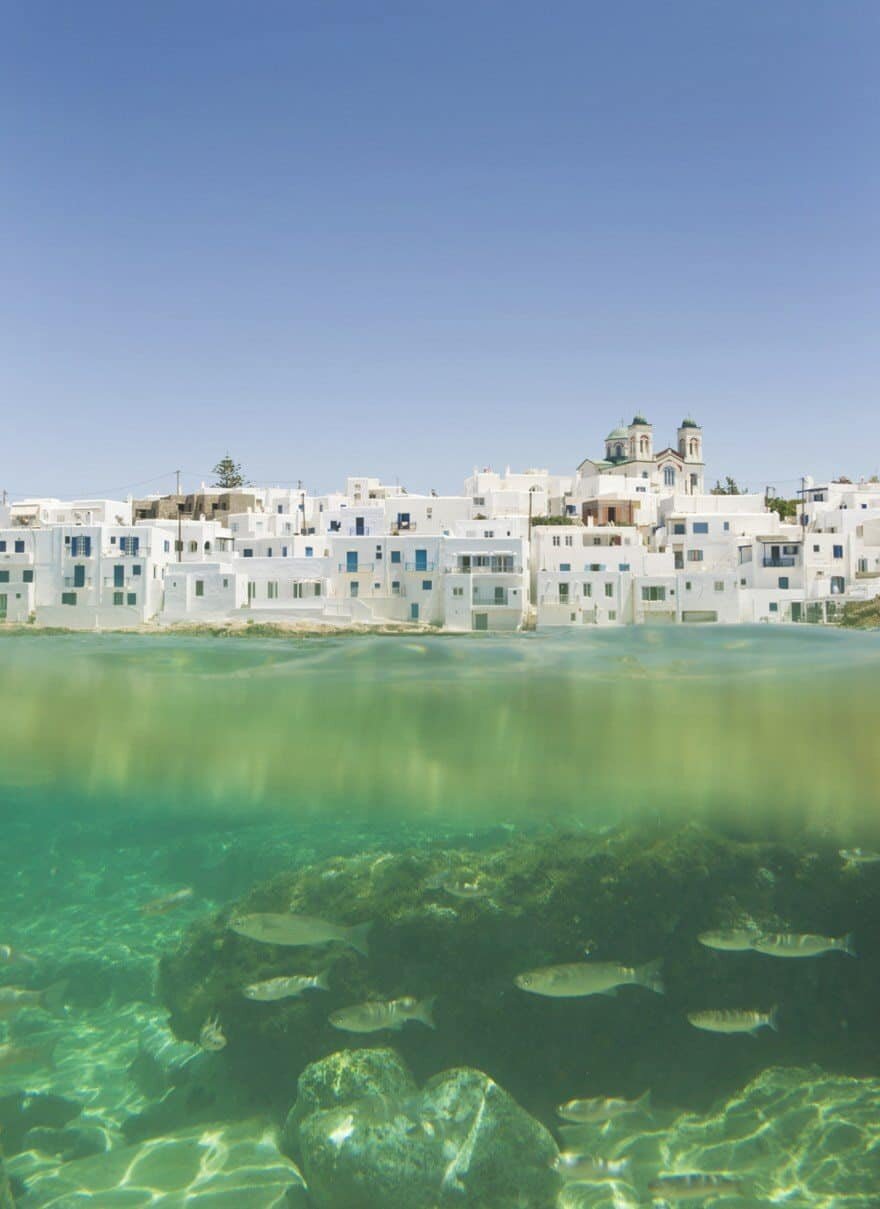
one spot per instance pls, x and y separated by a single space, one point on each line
591 783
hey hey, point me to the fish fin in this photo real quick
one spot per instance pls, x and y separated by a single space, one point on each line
358 937
648 976
425 1011
848 945
53 997
644 1101
321 979
773 1018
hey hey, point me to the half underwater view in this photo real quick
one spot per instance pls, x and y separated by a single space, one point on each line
578 921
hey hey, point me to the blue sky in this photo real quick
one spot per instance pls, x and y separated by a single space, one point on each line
405 238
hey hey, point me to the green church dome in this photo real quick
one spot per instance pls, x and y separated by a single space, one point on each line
689 422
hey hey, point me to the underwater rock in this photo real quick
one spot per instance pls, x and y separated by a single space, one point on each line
71 1142
629 895
21 1112
236 1166
368 1139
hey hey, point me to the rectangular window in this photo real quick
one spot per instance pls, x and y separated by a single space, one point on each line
132 598
79 576
774 607
247 553
679 528
565 566
136 569
688 586
695 556
653 592
838 585
81 547
68 598
118 575
252 590
272 590
588 589
609 589
701 526
556 539
129 545
569 541
719 585
118 598
838 551
19 547
395 556
458 591
624 566
309 551
27 577
783 581
563 593
4 577
421 560
351 561
200 587
727 526
427 584
2 547
225 583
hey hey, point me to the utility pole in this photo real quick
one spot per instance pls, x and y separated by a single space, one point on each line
177 472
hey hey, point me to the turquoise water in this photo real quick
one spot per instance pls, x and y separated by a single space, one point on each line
493 805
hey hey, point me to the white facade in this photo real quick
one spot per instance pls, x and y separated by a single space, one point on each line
639 541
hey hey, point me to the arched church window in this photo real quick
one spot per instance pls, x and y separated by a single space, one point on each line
669 476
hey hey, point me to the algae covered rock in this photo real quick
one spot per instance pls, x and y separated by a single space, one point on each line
368 1139
461 924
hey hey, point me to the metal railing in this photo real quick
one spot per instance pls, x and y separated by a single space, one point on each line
426 566
355 570
782 560
497 569
481 598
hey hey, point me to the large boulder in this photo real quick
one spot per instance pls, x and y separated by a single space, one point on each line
368 1139
630 895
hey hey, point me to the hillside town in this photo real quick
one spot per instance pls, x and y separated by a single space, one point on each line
631 537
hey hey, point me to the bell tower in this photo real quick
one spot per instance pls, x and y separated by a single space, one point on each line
690 448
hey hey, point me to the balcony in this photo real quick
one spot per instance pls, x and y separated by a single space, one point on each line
497 567
782 560
398 527
490 599
425 566
356 569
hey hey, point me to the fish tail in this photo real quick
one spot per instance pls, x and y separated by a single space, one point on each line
358 937
847 944
648 976
425 1011
52 999
773 1018
322 979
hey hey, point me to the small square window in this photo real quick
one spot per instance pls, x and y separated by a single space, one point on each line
427 584
132 598
395 556
119 598
719 585
27 577
774 607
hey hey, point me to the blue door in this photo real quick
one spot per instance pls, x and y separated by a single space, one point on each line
359 526
351 560
79 576
413 612
421 560
119 576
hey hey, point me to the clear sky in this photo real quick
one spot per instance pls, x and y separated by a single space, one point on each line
409 237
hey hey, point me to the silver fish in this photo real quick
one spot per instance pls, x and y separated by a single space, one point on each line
9 954
732 1020
279 929
374 1016
585 1169
287 987
589 978
211 1037
601 1109
694 1186
16 999
168 902
729 940
779 944
854 857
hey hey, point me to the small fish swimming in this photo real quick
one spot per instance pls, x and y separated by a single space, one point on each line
853 858
601 1109
729 940
287 987
784 944
16 999
276 928
732 1020
585 1169
589 978
168 902
374 1016
212 1038
694 1186
9 954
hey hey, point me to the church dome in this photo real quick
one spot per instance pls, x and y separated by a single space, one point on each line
638 418
618 434
689 422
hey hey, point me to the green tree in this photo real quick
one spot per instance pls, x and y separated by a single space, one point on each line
729 487
228 473
787 509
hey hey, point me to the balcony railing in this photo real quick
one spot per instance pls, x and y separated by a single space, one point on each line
426 566
493 569
398 527
489 599
782 560
356 569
